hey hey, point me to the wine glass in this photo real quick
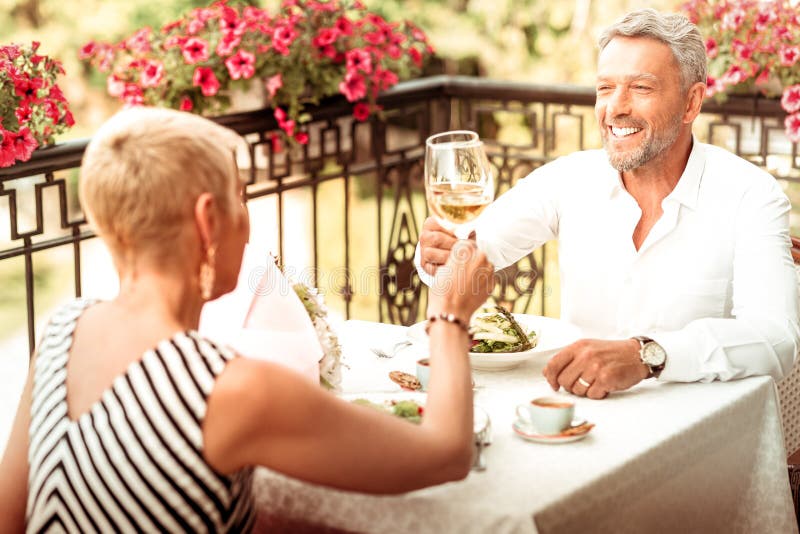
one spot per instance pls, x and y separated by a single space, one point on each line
458 179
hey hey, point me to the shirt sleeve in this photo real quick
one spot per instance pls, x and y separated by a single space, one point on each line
522 219
762 337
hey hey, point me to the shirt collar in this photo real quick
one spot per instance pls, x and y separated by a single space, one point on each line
688 186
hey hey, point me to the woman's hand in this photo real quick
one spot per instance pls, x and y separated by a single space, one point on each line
463 283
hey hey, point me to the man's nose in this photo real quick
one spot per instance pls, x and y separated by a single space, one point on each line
618 103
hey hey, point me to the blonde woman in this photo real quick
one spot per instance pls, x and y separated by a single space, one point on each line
132 421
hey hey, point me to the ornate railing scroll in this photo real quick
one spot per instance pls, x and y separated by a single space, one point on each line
348 207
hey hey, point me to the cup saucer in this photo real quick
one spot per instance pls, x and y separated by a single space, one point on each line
578 430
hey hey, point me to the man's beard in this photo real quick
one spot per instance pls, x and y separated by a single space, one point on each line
648 150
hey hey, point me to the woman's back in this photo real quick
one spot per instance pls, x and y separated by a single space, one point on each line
134 459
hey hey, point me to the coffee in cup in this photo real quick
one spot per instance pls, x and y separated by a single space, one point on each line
423 372
547 415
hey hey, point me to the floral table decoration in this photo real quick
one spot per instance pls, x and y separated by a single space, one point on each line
753 46
33 109
307 51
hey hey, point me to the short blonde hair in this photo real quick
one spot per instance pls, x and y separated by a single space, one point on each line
144 170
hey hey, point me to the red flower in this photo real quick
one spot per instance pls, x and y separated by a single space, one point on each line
416 56
358 59
275 143
792 124
51 110
301 137
186 104
68 119
791 99
385 78
711 48
344 26
152 74
23 114
139 41
285 125
273 84
353 87
733 19
361 111
789 55
763 20
195 50
27 88
735 74
24 144
325 37
205 79
241 65
8 153
743 50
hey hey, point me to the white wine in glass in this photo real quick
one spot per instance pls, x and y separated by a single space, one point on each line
458 178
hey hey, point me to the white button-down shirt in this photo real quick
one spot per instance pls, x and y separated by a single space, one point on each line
713 283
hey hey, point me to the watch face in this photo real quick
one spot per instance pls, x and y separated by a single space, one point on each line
653 354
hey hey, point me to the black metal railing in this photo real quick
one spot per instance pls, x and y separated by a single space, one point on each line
352 201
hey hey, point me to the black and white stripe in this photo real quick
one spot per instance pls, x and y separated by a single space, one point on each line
134 461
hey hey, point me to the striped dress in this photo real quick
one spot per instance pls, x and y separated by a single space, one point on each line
133 462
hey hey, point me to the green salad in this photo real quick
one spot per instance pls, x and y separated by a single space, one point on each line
404 409
496 330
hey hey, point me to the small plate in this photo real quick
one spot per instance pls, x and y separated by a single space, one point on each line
524 430
552 334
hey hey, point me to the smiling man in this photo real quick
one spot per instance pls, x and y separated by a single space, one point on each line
674 254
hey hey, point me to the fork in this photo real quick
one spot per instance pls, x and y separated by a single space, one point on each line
482 440
380 353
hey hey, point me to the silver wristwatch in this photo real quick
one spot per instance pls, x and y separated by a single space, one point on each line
652 355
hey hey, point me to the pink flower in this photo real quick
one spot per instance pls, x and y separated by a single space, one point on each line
132 95
361 111
186 104
27 88
282 39
791 98
714 86
284 124
51 110
152 74
195 50
301 137
358 59
789 55
764 19
273 84
735 74
275 144
24 144
226 45
743 50
205 79
115 86
88 50
353 87
792 124
139 41
195 26
241 65
733 19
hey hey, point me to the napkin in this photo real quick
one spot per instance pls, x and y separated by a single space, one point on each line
262 318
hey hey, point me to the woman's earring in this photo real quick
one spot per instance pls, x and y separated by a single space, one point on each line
207 273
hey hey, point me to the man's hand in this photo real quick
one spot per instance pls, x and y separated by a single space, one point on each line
435 244
605 365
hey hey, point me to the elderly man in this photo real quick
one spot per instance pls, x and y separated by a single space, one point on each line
675 253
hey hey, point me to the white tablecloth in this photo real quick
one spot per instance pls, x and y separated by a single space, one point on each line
662 458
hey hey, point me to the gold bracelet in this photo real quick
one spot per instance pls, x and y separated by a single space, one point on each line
450 318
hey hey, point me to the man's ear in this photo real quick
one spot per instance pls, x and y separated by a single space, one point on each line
694 101
205 217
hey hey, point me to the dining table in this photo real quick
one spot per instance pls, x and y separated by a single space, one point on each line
662 457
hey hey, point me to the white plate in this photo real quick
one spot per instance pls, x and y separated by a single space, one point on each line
480 417
553 335
524 430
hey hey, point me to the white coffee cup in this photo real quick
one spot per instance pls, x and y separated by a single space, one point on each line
547 415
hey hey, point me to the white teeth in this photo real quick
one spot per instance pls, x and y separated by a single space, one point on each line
622 132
